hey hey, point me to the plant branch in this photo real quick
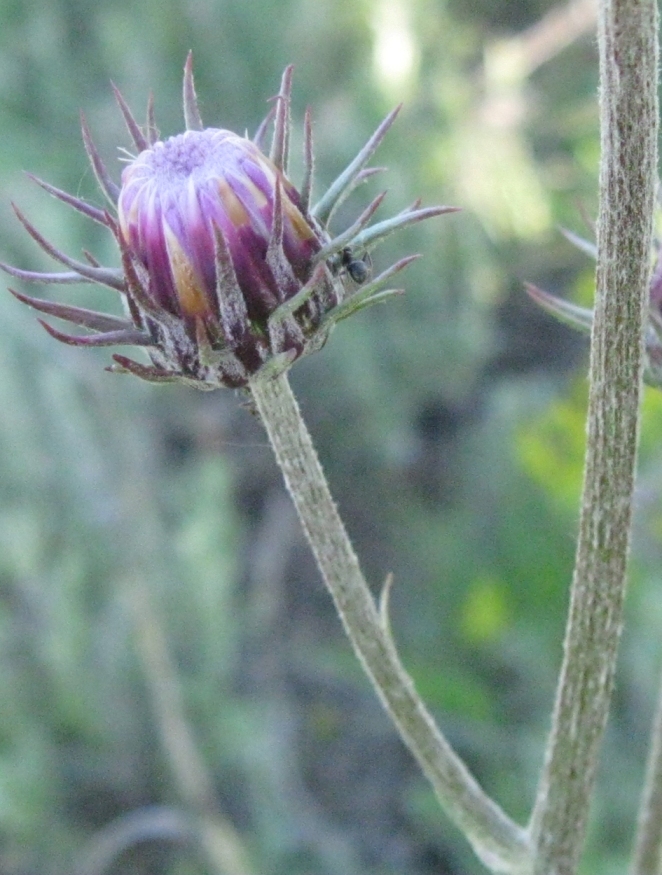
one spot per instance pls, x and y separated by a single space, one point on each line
647 857
151 823
499 842
628 99
217 837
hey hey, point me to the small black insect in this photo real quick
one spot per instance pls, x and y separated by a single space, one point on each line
358 269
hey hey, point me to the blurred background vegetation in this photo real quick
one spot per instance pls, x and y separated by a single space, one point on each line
177 694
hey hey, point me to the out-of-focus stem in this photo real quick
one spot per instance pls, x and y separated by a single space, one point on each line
628 177
647 857
143 544
152 823
218 838
188 769
497 840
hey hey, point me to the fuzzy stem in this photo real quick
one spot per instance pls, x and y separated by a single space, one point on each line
628 76
647 857
497 840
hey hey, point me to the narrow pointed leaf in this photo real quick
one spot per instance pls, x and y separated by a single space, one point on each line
86 209
208 355
357 300
109 188
61 278
351 235
371 236
77 315
578 317
361 177
91 259
275 257
111 338
584 246
261 132
353 306
412 207
231 303
192 116
308 162
325 206
287 308
366 174
151 128
281 141
150 373
132 125
101 275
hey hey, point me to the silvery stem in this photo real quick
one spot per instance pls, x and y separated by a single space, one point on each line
628 177
498 841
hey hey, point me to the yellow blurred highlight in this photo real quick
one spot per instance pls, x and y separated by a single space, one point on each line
496 173
485 615
497 178
551 447
651 424
395 53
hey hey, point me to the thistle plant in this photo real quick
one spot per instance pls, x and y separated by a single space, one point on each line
229 274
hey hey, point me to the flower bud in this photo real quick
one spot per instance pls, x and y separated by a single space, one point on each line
175 194
228 274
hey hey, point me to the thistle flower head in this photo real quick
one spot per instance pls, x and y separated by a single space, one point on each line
228 273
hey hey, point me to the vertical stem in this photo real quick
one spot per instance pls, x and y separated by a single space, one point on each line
218 838
500 843
628 100
647 858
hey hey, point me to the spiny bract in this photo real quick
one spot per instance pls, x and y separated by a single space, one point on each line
228 273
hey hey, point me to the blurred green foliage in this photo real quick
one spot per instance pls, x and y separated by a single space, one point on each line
450 422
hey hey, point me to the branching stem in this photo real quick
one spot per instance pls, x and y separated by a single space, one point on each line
552 844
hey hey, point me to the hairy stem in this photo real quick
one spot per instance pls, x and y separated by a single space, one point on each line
628 98
497 840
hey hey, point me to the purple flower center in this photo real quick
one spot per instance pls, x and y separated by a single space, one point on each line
195 154
183 155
